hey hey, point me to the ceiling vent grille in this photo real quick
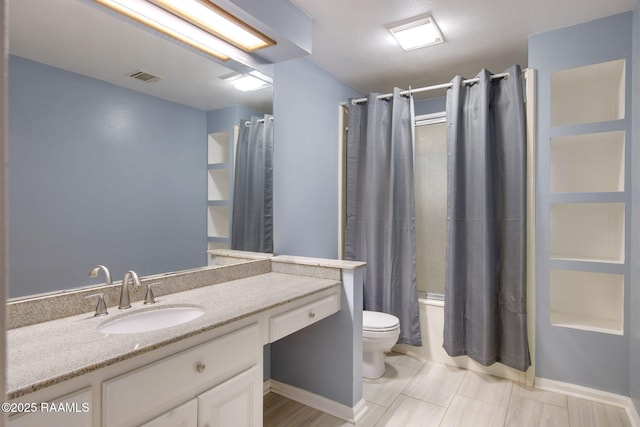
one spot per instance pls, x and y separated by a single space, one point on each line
144 76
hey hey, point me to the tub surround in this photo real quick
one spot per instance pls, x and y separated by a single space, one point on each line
34 360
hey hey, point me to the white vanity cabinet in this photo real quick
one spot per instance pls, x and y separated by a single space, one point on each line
185 415
298 318
208 376
236 402
223 375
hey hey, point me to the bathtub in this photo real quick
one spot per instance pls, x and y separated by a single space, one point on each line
432 329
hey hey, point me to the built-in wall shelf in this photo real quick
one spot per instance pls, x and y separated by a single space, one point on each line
590 301
573 92
588 163
587 265
218 189
218 221
218 184
587 197
218 241
586 128
603 197
588 231
218 148
218 166
584 196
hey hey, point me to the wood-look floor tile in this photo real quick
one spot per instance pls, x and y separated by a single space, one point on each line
585 413
486 388
409 412
404 360
406 396
435 383
383 391
279 411
543 396
525 412
468 412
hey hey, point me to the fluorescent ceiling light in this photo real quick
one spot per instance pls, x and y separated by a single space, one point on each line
217 21
419 32
197 23
255 80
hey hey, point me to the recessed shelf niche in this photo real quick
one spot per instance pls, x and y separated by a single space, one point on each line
589 94
587 300
588 163
587 231
218 221
218 184
218 148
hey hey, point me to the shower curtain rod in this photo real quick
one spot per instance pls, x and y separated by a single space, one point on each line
259 121
427 88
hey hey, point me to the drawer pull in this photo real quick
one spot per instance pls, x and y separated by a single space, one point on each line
312 314
201 367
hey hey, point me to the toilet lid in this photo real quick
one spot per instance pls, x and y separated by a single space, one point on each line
377 321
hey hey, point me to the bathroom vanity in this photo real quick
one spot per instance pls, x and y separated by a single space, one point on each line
207 371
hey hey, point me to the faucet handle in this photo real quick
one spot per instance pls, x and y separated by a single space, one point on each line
149 298
101 307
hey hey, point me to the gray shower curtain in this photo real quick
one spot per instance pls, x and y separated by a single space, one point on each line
380 226
485 301
252 216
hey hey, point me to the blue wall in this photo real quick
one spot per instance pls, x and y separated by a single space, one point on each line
306 107
99 174
634 329
225 119
591 359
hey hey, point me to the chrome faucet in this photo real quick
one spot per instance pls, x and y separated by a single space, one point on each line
124 292
107 275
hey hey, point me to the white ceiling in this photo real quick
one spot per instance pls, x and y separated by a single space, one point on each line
351 42
78 36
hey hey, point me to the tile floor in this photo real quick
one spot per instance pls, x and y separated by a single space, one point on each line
413 393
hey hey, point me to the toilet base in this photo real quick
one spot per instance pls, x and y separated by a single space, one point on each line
373 364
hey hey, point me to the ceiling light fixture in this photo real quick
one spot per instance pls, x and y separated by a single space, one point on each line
197 23
417 32
218 22
253 81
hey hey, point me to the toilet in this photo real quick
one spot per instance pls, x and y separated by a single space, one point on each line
380 332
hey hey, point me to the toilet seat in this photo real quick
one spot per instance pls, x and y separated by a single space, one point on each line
375 321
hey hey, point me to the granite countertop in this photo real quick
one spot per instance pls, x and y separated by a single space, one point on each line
35 359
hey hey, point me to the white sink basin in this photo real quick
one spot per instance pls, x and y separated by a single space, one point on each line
150 320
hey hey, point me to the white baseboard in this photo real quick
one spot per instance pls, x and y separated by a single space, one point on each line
328 406
591 394
634 417
266 387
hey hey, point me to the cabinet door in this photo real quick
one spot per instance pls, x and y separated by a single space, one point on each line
70 411
183 416
236 402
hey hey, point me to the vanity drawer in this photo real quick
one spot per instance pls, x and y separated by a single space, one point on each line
142 394
301 317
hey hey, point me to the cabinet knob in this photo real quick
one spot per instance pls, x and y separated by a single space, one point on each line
312 314
201 367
